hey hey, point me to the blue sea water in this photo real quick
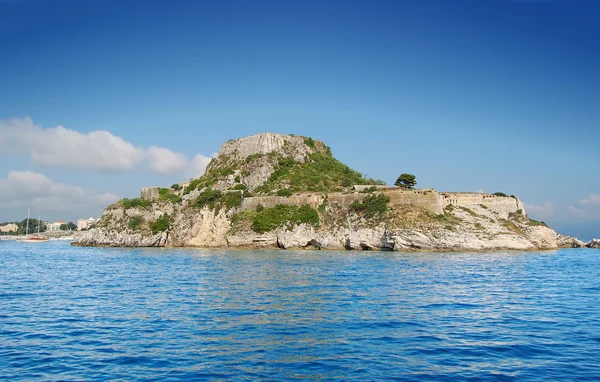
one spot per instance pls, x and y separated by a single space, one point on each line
69 313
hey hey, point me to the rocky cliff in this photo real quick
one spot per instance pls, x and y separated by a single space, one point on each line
285 191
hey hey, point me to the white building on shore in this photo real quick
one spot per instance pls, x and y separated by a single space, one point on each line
8 228
55 226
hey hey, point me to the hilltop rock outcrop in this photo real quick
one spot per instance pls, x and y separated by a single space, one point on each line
285 191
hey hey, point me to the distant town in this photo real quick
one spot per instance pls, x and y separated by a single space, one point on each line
35 226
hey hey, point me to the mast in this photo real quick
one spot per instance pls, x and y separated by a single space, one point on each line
27 224
38 225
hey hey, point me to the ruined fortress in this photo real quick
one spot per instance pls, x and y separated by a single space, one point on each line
205 213
238 150
429 199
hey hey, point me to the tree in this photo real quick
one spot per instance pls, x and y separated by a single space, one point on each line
406 181
70 226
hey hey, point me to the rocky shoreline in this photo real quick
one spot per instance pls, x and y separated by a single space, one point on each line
288 192
477 229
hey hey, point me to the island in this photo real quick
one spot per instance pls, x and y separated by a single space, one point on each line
286 191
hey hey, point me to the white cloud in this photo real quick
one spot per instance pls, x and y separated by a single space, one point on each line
541 212
57 146
593 199
27 189
197 165
588 209
577 213
99 150
165 161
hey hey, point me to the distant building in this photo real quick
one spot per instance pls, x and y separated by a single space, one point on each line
81 224
85 223
9 227
53 227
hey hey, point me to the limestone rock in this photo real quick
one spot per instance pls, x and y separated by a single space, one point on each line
594 243
416 220
98 237
563 241
542 237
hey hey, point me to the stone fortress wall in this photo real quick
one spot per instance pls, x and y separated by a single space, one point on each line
502 205
428 199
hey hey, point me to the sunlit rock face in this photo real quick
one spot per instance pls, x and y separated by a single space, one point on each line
415 220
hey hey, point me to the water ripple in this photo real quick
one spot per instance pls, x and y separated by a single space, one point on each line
72 313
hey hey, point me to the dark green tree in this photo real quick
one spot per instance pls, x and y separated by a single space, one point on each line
70 226
406 181
33 226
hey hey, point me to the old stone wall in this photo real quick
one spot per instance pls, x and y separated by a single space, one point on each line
502 205
314 200
149 193
428 199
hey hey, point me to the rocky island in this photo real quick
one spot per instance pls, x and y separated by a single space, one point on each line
286 191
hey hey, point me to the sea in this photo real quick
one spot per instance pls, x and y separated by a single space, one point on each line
72 314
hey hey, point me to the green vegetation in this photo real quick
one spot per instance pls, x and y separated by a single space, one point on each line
70 226
270 218
165 194
309 142
161 224
322 206
216 199
372 205
408 217
253 157
468 210
369 190
208 197
207 180
34 226
231 200
284 192
242 221
407 181
500 194
483 206
510 226
134 203
320 173
523 219
240 187
134 222
479 226
534 223
176 186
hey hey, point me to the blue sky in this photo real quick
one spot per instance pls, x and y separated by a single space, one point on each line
466 95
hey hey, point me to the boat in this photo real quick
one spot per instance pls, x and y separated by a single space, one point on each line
32 239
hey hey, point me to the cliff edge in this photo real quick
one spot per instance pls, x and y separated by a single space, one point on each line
285 191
